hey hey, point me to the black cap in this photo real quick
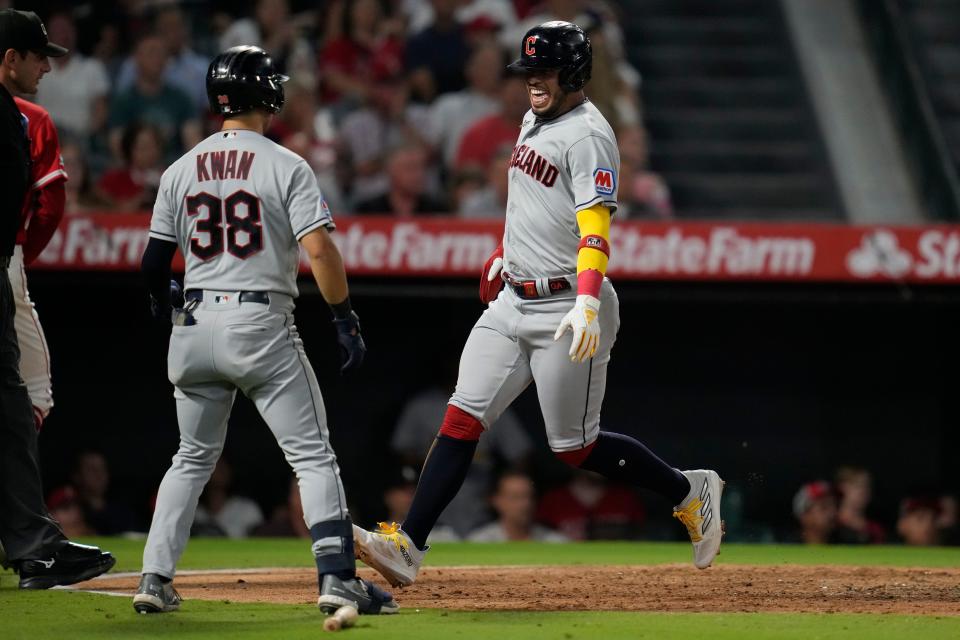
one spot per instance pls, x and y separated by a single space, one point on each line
24 31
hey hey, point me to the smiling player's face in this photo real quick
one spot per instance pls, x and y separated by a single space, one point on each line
543 89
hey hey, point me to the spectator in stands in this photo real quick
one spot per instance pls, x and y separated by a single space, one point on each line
504 444
68 512
453 113
80 196
436 57
854 487
948 522
498 12
475 14
607 90
272 28
407 192
917 525
91 482
133 187
486 136
311 133
222 513
399 496
286 521
186 70
368 50
514 501
642 194
152 100
815 508
75 90
368 135
490 201
589 508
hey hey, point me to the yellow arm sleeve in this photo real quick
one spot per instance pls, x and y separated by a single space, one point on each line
594 221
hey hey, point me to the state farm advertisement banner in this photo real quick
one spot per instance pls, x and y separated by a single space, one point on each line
438 247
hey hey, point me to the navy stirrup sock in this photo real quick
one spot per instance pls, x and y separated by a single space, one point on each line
442 475
627 460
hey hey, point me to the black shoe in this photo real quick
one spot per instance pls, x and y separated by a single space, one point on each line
365 596
68 564
155 596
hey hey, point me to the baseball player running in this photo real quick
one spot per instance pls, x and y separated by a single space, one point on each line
555 321
236 206
42 213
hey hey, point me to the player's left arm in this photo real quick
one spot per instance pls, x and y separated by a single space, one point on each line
592 257
311 222
326 263
593 163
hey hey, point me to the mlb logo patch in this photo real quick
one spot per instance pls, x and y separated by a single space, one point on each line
223 99
594 243
324 208
605 181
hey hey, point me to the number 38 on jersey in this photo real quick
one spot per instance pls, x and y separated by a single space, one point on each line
233 222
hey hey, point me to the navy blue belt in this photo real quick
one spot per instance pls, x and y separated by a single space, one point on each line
261 297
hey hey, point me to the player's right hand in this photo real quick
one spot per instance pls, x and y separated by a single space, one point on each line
352 347
490 281
583 321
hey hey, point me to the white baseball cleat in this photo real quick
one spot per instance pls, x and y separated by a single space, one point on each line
700 513
390 551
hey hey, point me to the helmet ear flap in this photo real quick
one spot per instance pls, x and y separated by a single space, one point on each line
575 77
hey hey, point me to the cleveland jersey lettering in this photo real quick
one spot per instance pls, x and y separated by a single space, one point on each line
527 159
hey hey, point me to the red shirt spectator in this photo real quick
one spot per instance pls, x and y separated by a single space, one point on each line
590 509
364 54
485 137
134 186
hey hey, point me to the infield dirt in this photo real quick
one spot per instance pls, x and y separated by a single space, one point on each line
681 588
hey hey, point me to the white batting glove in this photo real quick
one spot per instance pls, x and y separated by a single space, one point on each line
495 268
582 320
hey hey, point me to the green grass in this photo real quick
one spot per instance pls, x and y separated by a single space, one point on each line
214 553
63 615
58 615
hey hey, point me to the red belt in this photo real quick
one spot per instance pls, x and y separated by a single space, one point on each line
539 288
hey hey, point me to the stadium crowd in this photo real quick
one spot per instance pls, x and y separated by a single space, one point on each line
501 501
401 107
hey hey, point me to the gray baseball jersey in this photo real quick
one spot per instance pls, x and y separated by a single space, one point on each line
558 167
236 205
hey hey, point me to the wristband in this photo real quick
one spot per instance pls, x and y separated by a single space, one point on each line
341 310
595 242
589 282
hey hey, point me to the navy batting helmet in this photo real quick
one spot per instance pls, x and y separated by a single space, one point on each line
244 78
557 45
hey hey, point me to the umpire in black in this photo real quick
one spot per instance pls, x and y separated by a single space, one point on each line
35 546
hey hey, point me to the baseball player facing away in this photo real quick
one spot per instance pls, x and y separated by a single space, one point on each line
42 213
236 205
555 321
